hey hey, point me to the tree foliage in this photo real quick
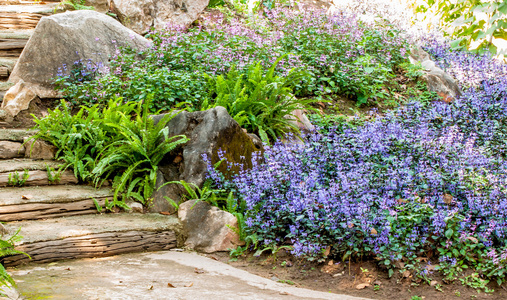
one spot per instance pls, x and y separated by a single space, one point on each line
473 24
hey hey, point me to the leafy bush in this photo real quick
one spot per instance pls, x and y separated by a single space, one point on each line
110 143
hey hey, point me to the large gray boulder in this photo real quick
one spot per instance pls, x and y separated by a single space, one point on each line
437 79
142 15
62 39
209 132
207 228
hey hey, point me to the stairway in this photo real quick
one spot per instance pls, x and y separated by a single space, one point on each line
58 216
18 20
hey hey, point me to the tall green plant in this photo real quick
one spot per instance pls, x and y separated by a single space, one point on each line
259 101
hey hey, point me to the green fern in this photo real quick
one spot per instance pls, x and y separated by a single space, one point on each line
259 101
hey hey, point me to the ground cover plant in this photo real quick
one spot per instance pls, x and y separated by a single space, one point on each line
423 185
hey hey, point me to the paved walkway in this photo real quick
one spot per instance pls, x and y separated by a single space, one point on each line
150 276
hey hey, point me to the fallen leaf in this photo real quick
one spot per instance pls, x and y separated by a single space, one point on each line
433 283
26 197
330 263
377 282
170 285
151 287
165 213
199 271
350 225
400 201
361 286
471 238
373 231
327 251
424 259
189 285
447 198
212 257
406 273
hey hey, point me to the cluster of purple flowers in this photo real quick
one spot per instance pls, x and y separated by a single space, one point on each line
396 186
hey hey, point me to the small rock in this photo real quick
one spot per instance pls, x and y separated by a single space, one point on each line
39 149
136 207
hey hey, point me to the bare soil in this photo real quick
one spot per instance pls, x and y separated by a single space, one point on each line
360 279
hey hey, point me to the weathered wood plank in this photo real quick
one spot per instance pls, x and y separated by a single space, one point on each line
20 20
7 44
33 211
97 245
4 71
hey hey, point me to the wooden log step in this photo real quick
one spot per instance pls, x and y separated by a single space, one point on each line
45 9
19 21
46 210
6 44
37 177
30 203
93 236
4 72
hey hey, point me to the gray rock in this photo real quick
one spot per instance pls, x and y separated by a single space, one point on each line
207 227
11 149
437 79
209 131
142 15
63 39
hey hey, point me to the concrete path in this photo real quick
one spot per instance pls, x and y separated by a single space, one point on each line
152 275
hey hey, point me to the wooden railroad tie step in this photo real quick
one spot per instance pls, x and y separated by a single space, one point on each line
93 236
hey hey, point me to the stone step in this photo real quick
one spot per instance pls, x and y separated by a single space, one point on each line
37 178
15 135
31 203
21 164
93 236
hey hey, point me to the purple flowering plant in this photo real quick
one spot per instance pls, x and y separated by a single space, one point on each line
421 181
